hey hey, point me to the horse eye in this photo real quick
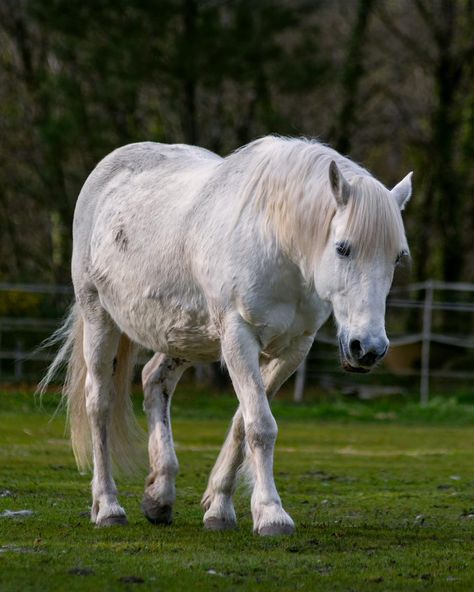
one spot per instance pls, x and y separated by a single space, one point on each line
400 256
343 249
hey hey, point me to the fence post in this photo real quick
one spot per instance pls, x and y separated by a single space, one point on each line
19 360
425 345
201 375
299 382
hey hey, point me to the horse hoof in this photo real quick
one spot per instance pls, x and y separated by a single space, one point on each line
119 520
155 512
214 523
276 529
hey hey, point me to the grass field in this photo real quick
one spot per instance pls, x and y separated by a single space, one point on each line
382 495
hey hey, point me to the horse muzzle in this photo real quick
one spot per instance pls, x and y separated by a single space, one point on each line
360 355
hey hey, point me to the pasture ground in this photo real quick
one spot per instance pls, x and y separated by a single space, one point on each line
382 495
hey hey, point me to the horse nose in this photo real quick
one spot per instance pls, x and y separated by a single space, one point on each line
367 354
355 348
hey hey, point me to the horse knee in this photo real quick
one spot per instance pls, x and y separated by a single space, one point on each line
261 433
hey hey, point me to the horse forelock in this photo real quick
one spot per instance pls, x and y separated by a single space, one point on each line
287 182
374 222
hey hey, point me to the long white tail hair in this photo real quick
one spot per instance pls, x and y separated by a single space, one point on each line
125 435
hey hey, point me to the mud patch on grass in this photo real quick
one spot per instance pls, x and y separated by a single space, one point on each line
16 513
81 571
15 549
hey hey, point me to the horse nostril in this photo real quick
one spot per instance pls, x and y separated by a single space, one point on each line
372 356
355 347
369 359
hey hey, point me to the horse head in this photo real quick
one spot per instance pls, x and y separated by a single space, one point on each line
366 241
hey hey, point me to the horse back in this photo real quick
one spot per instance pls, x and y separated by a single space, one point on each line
134 170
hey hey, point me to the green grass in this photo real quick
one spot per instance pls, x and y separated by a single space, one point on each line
382 495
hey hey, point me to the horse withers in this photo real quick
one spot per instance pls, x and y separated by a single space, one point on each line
201 258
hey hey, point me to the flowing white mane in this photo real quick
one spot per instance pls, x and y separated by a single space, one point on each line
287 182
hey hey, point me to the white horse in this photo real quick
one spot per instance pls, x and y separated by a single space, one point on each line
200 258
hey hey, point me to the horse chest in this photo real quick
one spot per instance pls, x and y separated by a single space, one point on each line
278 324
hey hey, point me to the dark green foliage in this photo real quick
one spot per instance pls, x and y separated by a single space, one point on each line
391 83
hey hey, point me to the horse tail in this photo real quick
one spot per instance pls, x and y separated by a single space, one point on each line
125 435
70 338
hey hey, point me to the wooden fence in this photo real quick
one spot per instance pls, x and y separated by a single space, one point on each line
421 296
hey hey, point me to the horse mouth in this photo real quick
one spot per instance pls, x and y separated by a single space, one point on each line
354 369
347 366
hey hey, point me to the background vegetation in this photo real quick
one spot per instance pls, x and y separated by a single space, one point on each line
388 82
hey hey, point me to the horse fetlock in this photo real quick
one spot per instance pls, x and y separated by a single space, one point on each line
221 484
94 511
162 476
161 486
206 499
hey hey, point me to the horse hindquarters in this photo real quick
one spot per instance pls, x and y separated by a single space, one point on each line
96 389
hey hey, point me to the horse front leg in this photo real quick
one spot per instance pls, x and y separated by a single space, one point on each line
217 499
241 353
160 377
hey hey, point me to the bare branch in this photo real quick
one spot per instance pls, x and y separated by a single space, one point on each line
415 48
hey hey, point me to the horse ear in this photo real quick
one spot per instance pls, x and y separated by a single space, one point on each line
340 187
402 191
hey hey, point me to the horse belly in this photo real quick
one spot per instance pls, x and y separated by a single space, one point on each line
173 328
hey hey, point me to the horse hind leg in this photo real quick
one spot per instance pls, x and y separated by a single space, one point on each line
217 499
160 377
101 338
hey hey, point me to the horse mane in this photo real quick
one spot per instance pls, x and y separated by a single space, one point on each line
286 182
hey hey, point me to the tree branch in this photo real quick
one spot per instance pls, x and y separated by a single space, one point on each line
416 49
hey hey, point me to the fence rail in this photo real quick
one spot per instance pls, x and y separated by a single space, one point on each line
17 354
